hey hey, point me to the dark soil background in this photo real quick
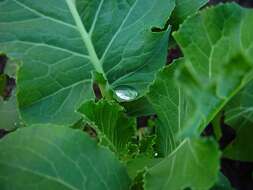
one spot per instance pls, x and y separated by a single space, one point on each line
240 174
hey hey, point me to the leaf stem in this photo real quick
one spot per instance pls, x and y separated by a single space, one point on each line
85 37
105 92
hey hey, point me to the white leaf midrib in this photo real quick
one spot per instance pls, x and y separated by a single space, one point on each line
85 36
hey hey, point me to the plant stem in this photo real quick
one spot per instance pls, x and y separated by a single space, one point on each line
105 92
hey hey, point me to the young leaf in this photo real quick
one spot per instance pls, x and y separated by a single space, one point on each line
146 146
218 59
239 115
58 158
61 42
194 164
114 127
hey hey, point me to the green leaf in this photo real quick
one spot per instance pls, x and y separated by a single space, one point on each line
188 94
218 60
53 157
138 165
146 146
184 8
239 115
67 40
194 164
172 108
139 107
222 183
114 127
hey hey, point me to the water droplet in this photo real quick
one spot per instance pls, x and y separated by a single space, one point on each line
126 93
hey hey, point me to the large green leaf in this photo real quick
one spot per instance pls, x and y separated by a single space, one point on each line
114 127
188 94
184 8
184 162
239 115
61 42
52 158
194 164
218 48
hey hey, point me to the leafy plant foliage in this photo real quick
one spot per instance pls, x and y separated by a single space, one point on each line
239 115
63 48
113 126
78 162
69 40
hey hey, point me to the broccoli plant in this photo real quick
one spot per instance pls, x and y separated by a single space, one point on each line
86 71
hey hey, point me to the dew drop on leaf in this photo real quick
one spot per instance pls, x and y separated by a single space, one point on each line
126 93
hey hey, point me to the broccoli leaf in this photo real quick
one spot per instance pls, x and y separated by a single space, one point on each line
114 128
58 158
218 60
172 108
60 43
194 164
188 94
